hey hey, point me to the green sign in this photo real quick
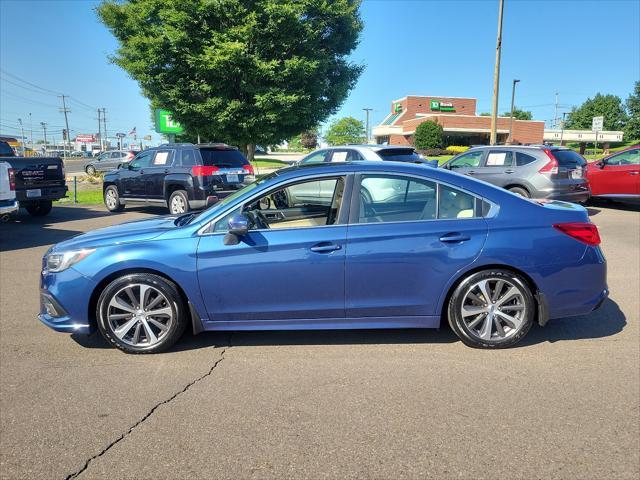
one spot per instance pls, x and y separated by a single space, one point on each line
438 106
397 108
166 124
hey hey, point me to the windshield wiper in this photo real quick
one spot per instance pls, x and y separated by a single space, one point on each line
184 219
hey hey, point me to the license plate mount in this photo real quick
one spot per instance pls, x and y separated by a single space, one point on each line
34 193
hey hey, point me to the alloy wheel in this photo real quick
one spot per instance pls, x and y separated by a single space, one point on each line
110 199
177 204
494 309
139 315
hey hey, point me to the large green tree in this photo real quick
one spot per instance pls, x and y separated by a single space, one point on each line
608 106
240 71
632 128
344 131
519 114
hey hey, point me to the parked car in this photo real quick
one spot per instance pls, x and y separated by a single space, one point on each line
443 248
353 153
38 180
539 171
108 161
616 176
181 176
8 202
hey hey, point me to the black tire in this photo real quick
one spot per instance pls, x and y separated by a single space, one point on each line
173 299
112 199
178 202
90 170
520 191
467 334
39 208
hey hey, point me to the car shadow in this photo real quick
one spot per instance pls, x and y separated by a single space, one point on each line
593 211
26 231
615 205
604 322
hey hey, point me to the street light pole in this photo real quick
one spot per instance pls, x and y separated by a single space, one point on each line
513 96
496 78
44 131
367 110
21 136
564 114
31 132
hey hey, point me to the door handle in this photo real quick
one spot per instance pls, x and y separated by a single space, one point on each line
166 170
454 238
325 247
509 171
471 172
634 173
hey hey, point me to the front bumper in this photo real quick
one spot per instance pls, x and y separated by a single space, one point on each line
8 206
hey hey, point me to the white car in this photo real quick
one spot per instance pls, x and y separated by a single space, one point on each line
8 202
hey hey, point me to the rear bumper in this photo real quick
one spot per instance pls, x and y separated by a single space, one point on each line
46 193
566 192
8 206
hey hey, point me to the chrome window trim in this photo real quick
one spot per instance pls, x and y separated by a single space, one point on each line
493 208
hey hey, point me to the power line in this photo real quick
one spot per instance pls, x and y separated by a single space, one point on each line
29 83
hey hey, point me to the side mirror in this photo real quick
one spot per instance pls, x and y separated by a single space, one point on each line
238 226
432 163
600 164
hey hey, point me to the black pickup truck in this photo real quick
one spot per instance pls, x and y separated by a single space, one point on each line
180 176
39 180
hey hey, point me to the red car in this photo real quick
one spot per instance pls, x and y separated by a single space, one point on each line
616 176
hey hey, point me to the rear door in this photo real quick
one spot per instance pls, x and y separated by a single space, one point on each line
406 239
498 167
156 171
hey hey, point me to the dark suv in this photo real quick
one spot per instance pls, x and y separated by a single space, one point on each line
536 171
181 176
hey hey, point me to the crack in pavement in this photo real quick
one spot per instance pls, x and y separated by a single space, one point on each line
149 413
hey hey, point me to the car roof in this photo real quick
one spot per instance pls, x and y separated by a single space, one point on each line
374 147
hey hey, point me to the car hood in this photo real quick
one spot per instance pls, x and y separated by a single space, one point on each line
137 231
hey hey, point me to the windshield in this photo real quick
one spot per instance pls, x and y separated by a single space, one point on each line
5 150
569 158
218 207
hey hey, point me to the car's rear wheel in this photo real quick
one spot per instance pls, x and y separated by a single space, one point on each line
141 313
178 202
112 199
520 191
39 208
91 170
492 309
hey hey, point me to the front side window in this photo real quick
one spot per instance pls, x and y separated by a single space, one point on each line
311 203
631 157
142 160
396 199
466 160
315 157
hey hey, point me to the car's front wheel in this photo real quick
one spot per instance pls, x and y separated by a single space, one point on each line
492 309
141 313
112 199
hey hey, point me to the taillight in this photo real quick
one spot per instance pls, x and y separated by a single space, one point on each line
12 179
248 169
584 232
204 170
551 166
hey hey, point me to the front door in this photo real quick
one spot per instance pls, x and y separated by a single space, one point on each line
466 163
619 175
132 179
289 266
410 237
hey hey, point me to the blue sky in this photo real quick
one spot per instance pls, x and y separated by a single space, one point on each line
445 48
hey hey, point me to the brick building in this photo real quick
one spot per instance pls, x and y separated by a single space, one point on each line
459 120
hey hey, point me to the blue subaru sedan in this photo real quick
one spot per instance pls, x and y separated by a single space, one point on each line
339 246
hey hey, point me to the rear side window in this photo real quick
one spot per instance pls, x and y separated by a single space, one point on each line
187 158
453 203
162 159
497 158
569 158
524 159
345 156
212 157
399 155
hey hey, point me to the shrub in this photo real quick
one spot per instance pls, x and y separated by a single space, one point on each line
428 135
455 149
433 152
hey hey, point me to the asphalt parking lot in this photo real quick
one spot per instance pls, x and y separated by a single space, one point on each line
361 404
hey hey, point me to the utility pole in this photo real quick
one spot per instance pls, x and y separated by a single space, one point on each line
367 110
31 132
22 136
44 131
555 115
65 110
104 121
513 96
564 114
100 130
496 78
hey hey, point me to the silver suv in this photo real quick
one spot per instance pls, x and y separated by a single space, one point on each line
353 153
536 171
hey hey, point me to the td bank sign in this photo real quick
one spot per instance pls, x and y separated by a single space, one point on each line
438 106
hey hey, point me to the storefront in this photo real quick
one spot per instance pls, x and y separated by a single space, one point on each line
460 123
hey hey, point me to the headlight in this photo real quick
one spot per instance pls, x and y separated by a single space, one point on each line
57 262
